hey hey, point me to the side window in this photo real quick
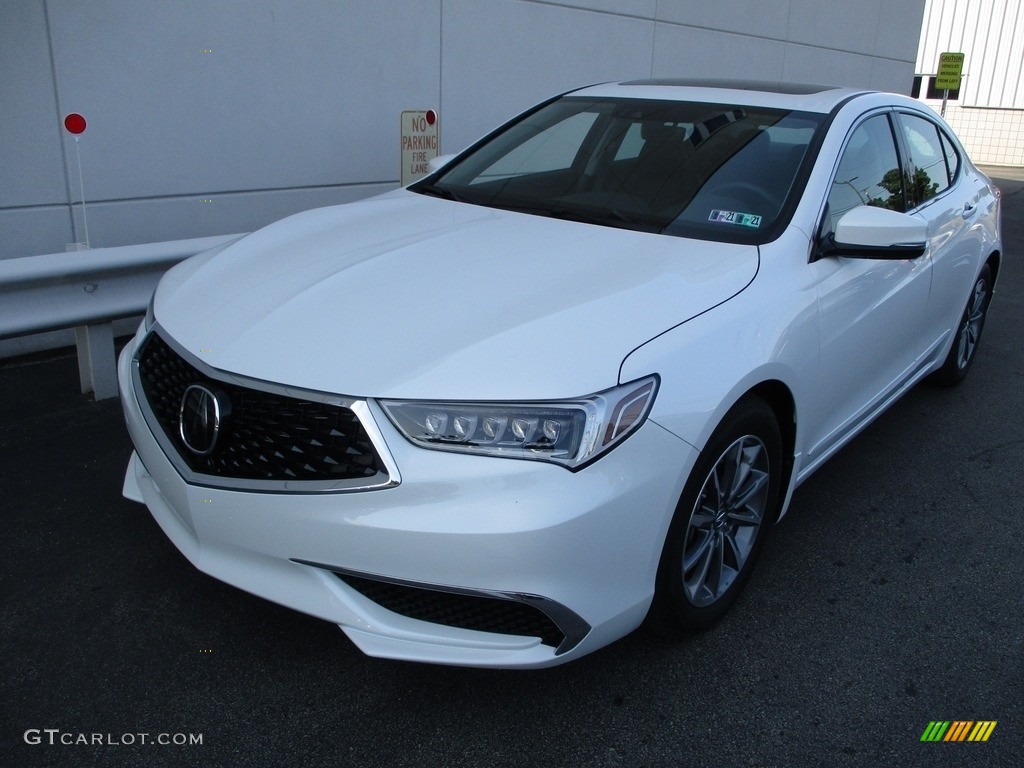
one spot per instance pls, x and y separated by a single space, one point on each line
868 173
952 156
931 172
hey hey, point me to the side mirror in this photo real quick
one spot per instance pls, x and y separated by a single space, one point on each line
436 163
867 232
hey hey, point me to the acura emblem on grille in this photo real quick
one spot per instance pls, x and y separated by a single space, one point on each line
199 419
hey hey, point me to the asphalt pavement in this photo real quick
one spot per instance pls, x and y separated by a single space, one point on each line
890 597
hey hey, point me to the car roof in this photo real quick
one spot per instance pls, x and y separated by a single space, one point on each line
797 96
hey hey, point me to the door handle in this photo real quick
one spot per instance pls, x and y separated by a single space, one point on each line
969 209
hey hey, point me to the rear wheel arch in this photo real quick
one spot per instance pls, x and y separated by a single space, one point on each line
968 332
995 260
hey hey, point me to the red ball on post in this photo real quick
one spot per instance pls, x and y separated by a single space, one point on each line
74 123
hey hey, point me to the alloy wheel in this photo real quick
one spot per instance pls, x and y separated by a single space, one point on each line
970 326
725 520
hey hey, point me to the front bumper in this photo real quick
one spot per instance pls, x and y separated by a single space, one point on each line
581 547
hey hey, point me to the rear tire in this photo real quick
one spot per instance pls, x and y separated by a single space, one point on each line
728 503
968 334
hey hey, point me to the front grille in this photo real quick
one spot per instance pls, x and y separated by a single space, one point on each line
484 614
263 435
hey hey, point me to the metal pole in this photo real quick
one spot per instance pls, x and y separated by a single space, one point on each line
81 189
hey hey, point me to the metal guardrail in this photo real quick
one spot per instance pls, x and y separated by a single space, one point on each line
88 291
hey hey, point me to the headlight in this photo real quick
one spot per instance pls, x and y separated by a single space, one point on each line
567 432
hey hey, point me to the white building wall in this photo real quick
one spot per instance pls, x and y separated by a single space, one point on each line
214 117
988 114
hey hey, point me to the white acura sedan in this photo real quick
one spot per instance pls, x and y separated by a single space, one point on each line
567 382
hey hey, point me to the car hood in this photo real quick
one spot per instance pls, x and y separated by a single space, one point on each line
415 297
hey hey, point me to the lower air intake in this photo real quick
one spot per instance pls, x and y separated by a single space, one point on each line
484 614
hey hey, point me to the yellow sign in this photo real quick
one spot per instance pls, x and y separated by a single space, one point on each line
951 65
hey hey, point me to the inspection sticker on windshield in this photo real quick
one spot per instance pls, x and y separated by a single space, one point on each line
732 217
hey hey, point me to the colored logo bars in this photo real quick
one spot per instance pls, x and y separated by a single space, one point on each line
958 730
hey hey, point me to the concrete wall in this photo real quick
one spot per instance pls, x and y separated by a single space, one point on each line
214 117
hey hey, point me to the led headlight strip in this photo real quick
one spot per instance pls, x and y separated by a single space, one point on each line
571 433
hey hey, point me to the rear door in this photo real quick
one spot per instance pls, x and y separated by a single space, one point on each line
947 198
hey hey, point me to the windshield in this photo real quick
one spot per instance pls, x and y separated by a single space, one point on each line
714 171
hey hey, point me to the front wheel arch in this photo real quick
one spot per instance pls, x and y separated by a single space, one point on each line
728 503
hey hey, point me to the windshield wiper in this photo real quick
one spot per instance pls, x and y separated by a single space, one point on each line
443 192
609 218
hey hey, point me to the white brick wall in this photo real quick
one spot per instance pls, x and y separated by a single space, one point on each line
991 136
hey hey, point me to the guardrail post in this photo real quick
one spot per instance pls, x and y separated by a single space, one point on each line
97 367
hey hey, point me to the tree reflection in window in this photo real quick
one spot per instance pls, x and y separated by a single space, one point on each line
932 170
922 188
892 182
868 173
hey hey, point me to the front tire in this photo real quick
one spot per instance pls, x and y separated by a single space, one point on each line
723 516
